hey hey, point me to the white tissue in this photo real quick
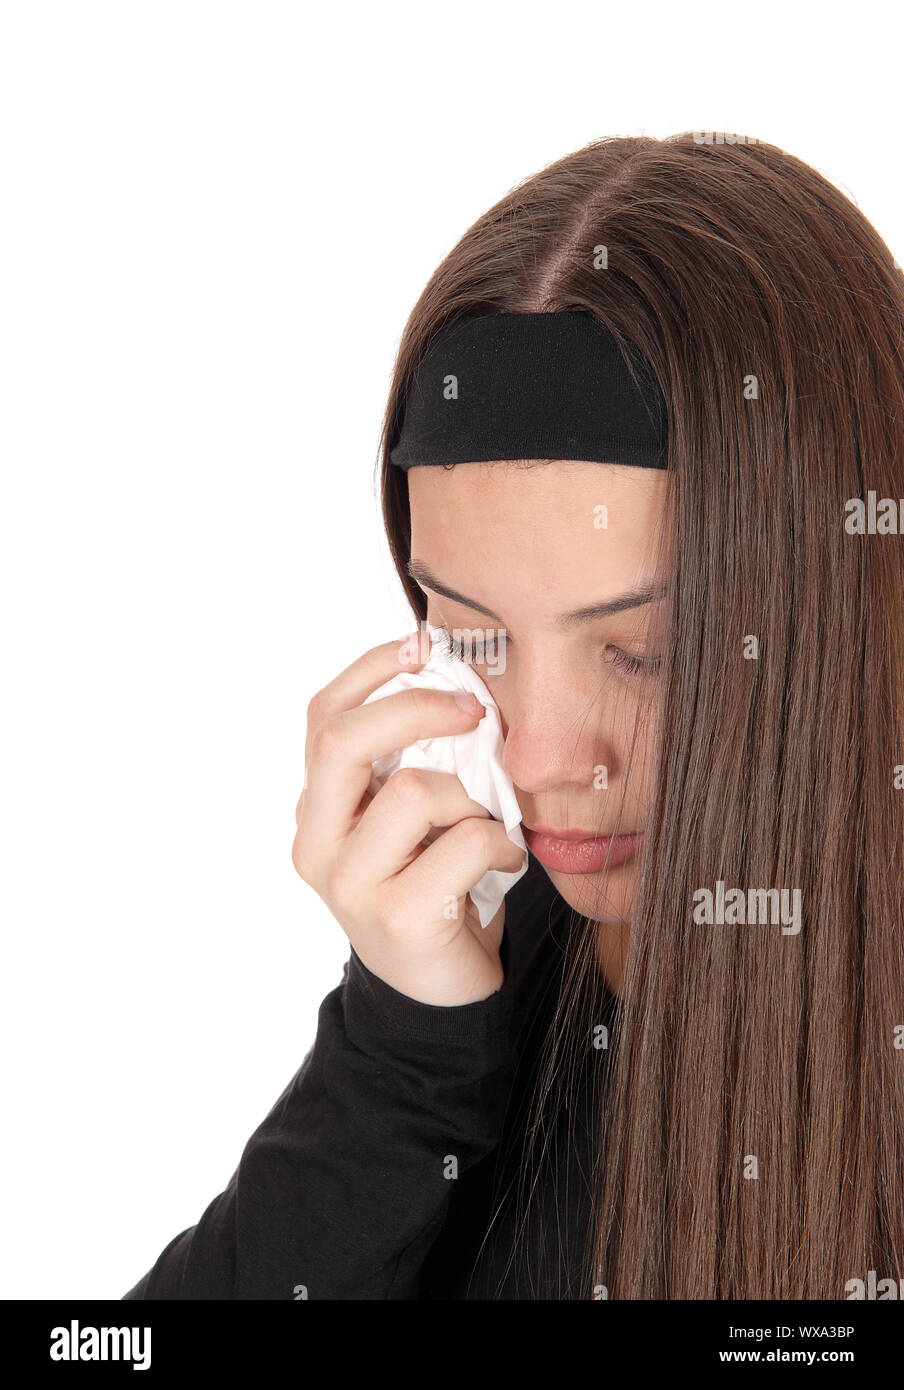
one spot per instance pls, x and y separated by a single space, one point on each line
474 756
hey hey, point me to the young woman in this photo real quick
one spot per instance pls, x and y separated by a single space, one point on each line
672 1066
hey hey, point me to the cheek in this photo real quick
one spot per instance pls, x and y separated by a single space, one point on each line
644 767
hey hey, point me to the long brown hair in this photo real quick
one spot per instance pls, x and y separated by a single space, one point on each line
772 314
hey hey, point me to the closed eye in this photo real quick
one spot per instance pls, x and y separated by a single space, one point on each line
625 662
635 665
478 649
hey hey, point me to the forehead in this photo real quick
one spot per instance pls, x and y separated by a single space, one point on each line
568 526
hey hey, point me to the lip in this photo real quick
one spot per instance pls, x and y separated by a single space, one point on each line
576 852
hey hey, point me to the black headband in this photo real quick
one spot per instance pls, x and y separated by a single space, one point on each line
531 386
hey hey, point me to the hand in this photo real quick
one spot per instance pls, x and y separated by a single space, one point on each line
404 906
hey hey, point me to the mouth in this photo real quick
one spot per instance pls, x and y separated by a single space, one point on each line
580 851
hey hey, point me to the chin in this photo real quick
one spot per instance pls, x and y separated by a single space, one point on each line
600 897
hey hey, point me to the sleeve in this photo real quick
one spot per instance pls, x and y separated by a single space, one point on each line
344 1187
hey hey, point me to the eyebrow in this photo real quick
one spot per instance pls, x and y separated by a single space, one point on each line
633 598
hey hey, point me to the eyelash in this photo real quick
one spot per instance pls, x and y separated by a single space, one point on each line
636 665
622 661
450 648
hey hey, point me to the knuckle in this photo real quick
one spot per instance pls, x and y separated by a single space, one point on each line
426 700
409 785
328 737
331 891
387 915
300 859
316 711
350 901
393 927
474 834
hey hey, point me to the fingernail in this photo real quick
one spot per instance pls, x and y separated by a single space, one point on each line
468 702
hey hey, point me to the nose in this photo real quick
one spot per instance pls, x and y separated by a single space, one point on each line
553 738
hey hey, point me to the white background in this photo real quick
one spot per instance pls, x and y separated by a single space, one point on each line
216 218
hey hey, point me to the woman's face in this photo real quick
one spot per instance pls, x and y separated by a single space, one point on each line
526 549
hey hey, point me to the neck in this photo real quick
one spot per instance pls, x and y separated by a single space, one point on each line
612 952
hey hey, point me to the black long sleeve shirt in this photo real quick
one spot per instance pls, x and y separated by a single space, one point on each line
377 1174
